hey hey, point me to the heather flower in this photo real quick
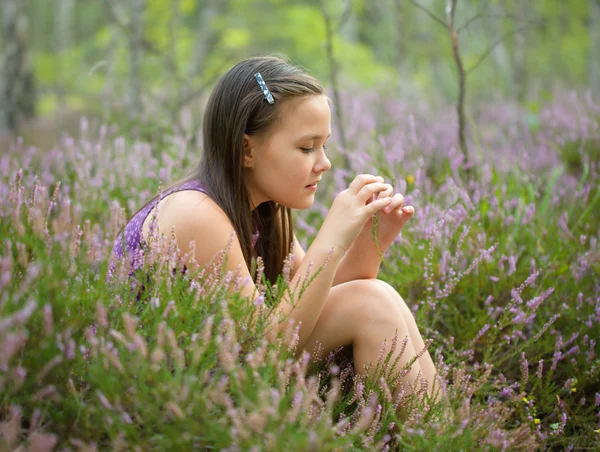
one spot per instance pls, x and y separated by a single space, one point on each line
524 371
540 369
259 300
48 323
42 442
175 345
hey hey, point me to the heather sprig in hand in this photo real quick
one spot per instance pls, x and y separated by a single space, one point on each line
384 227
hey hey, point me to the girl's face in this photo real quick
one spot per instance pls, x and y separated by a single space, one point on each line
283 163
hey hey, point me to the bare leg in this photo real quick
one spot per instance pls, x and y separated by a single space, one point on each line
368 344
363 313
425 361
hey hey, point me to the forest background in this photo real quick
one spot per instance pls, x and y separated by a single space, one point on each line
485 115
154 61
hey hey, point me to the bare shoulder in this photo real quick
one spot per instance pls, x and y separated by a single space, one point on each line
185 210
194 216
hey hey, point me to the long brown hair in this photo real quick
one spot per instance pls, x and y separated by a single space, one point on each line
236 107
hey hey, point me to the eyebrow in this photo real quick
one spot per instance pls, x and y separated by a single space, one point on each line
311 137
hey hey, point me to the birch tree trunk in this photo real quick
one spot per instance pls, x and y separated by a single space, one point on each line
205 14
110 83
135 51
17 84
520 63
400 10
594 64
63 26
492 27
207 35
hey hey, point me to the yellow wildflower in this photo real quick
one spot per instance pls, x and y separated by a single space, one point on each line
410 179
573 389
524 399
536 421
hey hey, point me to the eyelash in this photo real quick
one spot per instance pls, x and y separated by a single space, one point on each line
310 150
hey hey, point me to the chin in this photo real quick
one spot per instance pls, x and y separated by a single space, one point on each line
297 205
305 205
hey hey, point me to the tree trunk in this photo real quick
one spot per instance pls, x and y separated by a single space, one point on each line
462 82
594 65
333 71
63 34
400 53
135 51
492 26
350 26
17 84
64 24
520 64
110 81
207 35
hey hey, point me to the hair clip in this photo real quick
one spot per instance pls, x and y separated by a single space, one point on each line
263 87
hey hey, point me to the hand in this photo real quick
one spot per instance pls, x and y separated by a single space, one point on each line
351 209
392 219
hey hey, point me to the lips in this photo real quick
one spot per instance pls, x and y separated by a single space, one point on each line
314 183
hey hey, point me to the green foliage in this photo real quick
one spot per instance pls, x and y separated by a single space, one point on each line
575 153
103 365
374 44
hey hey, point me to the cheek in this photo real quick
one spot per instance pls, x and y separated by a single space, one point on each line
293 168
299 172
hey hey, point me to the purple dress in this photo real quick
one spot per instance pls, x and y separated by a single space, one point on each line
134 242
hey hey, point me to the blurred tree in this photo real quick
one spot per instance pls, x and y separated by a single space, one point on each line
136 14
594 61
63 37
153 61
462 79
400 13
331 28
453 30
208 33
17 93
520 53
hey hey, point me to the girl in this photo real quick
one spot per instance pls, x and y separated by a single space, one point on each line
265 131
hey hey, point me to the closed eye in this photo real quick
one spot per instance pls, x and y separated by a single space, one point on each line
309 150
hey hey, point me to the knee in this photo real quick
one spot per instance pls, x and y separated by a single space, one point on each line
380 304
404 309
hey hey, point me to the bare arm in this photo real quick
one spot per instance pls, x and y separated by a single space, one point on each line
344 222
208 220
361 261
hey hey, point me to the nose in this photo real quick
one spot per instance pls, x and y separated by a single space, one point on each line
323 164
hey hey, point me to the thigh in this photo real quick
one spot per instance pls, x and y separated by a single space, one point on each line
406 311
350 307
407 314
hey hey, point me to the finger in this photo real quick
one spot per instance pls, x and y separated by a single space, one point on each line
387 192
397 202
402 215
377 205
406 213
382 194
370 189
361 180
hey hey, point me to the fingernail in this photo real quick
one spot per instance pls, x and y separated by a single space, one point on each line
405 210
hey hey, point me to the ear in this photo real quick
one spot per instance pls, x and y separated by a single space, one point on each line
248 151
